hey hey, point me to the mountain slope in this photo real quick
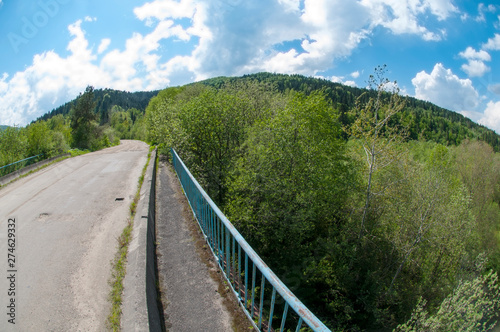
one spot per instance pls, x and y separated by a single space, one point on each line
422 120
106 99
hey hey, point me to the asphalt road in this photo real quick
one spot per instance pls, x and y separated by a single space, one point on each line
67 220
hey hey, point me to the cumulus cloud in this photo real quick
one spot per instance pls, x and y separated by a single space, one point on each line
103 46
161 10
471 54
52 80
238 37
341 79
475 68
446 89
493 43
491 116
482 10
230 37
476 59
402 16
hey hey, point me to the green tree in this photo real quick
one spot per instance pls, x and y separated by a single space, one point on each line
473 305
479 169
215 128
291 182
39 139
13 145
429 224
61 133
83 120
373 133
121 121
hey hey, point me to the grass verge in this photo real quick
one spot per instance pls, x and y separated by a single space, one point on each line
119 263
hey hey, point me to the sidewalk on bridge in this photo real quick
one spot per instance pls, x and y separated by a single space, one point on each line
192 299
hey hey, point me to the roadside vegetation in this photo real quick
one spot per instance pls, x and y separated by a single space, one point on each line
93 121
379 212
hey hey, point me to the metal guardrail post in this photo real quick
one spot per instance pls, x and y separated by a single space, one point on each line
222 238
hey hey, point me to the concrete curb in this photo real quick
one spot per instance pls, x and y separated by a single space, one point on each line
14 175
139 308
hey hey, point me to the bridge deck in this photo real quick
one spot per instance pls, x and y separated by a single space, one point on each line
191 297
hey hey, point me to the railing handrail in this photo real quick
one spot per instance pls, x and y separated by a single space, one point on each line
19 161
305 314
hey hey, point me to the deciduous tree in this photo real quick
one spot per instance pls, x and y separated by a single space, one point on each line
83 118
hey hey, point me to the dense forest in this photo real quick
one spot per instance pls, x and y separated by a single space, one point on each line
380 212
106 100
422 120
94 120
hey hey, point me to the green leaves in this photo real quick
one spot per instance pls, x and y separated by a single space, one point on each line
472 306
365 225
291 181
82 120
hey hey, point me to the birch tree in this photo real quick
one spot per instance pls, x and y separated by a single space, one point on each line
371 130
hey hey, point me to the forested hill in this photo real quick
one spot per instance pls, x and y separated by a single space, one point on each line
423 120
106 99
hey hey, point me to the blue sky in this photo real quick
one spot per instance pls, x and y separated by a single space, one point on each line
444 51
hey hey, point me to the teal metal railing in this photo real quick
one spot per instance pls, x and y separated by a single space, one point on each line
266 301
4 170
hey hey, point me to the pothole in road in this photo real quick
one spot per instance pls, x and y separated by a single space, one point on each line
43 216
119 199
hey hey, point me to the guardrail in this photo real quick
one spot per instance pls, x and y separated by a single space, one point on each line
4 170
245 272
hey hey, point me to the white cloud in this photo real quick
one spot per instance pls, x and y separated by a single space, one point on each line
290 5
441 8
482 9
446 89
491 116
52 80
402 16
230 37
473 115
103 46
164 9
475 68
493 43
238 37
471 54
475 65
341 79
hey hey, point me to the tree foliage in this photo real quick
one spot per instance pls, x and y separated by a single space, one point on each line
357 199
473 305
83 120
290 181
